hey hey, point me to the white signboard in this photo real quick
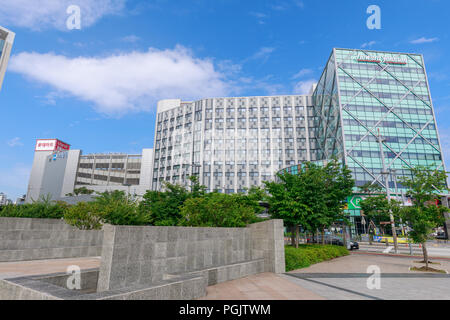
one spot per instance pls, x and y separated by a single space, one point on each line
46 145
51 145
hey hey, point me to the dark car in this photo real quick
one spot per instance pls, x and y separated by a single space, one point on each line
354 245
328 240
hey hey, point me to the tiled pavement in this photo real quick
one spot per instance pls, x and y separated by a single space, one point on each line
263 286
346 278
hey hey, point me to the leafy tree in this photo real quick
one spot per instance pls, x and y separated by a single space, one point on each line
218 210
164 206
424 188
314 198
113 207
287 201
84 216
107 197
338 185
376 206
44 208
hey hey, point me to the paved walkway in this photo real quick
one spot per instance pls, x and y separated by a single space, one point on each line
346 278
26 268
263 286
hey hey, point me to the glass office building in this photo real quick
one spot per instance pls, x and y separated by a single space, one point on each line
364 97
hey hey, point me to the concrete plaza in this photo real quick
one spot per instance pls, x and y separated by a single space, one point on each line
343 278
346 278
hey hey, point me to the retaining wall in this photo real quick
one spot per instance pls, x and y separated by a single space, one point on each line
35 239
142 255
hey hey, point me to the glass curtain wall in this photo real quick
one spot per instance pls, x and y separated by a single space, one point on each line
364 94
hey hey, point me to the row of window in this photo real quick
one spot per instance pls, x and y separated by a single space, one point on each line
391 155
219 110
384 95
398 109
391 82
389 124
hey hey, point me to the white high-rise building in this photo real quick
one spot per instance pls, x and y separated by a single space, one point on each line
6 42
3 199
58 170
231 143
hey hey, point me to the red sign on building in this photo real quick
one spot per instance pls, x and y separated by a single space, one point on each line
51 145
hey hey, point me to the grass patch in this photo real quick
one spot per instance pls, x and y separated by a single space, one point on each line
308 254
429 269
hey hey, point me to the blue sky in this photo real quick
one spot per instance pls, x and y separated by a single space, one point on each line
96 88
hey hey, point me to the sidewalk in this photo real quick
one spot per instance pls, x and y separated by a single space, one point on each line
263 286
347 278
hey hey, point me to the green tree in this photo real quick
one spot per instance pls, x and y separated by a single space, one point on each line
376 206
338 185
84 216
218 210
424 187
164 206
113 207
314 198
287 201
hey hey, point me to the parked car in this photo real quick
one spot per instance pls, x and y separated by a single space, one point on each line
441 236
354 245
334 240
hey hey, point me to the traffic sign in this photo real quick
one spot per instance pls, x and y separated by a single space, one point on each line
354 202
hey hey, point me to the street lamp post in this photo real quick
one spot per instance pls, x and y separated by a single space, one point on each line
386 174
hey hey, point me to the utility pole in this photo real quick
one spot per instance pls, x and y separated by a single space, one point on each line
394 173
388 192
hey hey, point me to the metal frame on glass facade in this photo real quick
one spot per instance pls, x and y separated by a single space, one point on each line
387 92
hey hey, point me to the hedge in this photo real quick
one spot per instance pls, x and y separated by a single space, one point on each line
34 210
308 254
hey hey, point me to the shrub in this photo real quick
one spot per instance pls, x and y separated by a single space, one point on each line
309 254
84 216
218 210
114 207
41 210
124 214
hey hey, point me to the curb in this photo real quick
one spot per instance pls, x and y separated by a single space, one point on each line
398 255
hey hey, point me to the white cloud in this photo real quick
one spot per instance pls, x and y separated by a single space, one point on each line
368 44
424 40
258 14
15 142
304 87
43 14
131 39
302 73
125 82
263 53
